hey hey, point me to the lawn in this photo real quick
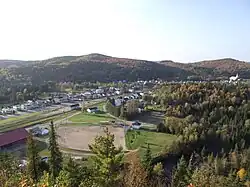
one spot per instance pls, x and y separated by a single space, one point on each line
90 118
100 105
155 108
156 140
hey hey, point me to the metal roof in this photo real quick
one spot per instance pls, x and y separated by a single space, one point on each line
13 136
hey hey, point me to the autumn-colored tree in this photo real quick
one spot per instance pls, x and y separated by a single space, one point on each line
135 174
44 180
10 173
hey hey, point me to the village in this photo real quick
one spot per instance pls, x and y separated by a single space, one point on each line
77 127
70 106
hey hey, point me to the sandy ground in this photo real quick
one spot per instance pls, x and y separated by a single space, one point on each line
79 137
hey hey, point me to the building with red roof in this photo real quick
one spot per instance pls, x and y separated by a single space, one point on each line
13 138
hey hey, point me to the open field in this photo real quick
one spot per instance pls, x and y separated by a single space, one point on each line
79 137
140 138
33 120
90 118
40 117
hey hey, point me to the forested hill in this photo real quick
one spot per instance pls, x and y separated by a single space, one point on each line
98 67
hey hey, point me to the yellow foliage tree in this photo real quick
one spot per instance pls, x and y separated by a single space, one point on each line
241 174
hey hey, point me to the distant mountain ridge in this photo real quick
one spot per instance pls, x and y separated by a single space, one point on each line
11 63
98 67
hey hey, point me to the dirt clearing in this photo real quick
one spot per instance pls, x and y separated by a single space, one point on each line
79 137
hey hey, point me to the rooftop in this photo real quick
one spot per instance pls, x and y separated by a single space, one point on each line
13 136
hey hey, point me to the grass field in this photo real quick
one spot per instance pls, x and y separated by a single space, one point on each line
18 118
155 108
31 120
140 138
100 105
90 118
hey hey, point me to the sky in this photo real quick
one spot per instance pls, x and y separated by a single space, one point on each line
178 30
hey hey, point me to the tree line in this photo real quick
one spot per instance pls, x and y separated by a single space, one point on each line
127 110
212 122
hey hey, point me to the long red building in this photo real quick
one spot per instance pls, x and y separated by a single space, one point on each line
13 138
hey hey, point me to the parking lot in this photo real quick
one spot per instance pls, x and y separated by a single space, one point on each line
53 109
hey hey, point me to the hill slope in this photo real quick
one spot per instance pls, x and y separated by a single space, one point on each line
214 68
11 63
98 67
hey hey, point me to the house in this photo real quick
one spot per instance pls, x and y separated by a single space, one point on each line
13 139
117 92
75 106
92 110
87 95
136 125
57 101
37 131
131 90
118 102
99 91
8 111
233 78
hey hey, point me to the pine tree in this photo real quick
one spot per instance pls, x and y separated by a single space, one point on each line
180 175
63 179
33 159
147 160
122 112
55 161
74 173
107 160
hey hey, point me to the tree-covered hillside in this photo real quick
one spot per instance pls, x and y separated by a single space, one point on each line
97 67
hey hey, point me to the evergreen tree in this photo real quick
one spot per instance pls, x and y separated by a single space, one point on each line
55 161
180 175
74 173
147 160
33 159
107 160
122 112
63 179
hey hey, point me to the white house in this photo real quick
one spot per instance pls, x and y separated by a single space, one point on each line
136 125
117 92
92 110
99 91
233 78
87 95
118 102
131 90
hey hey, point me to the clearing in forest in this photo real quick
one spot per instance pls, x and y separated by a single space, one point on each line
140 138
